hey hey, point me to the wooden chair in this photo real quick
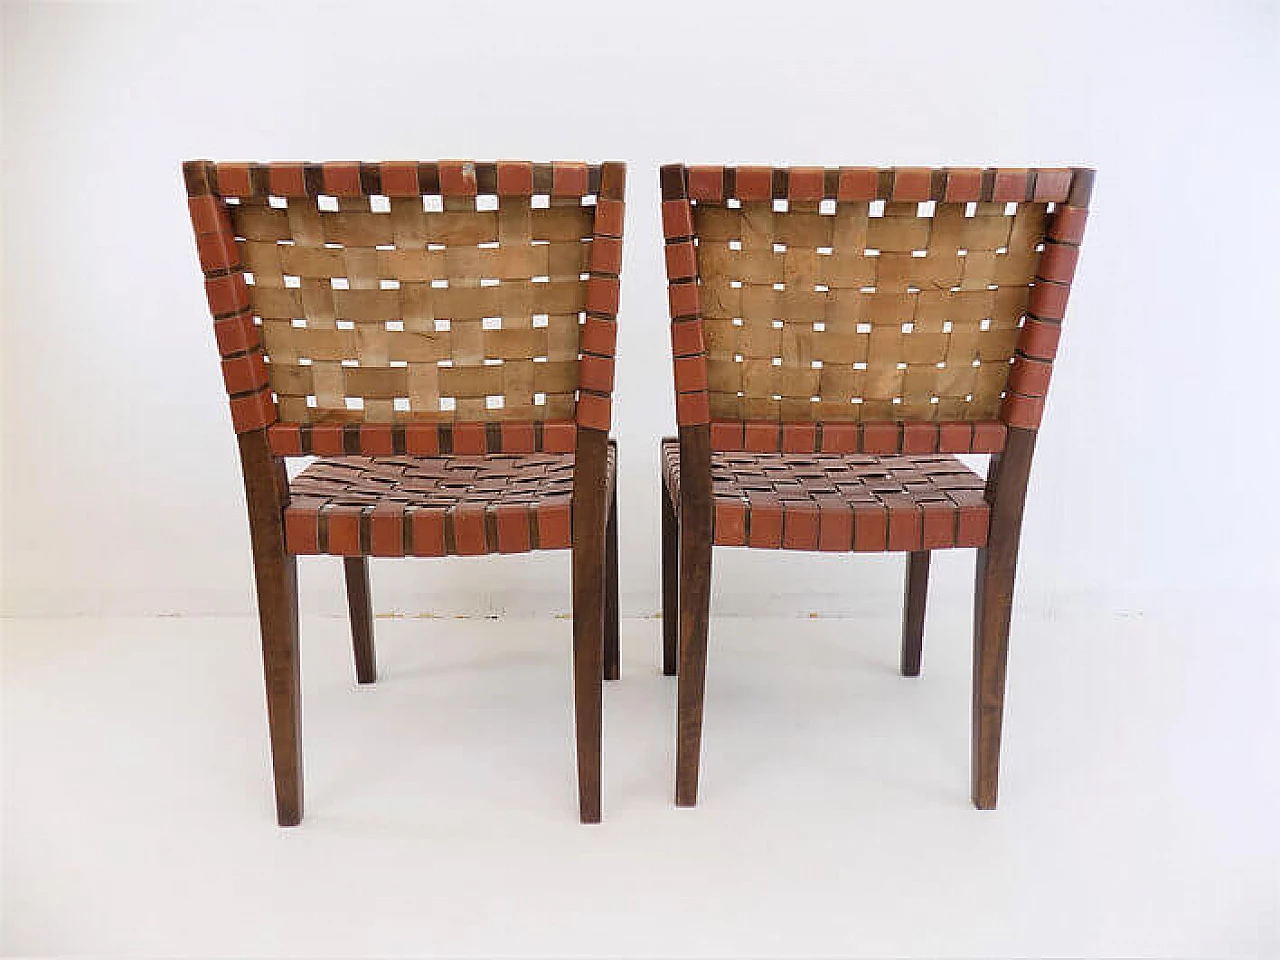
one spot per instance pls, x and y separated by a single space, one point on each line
441 335
838 335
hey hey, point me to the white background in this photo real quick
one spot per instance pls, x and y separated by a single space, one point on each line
1140 782
121 488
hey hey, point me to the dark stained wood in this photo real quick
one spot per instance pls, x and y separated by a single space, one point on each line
916 590
993 608
612 651
275 570
589 518
360 608
670 582
672 179
695 520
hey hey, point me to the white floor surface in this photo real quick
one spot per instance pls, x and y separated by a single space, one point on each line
1138 809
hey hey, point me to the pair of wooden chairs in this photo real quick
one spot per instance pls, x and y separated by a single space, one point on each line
442 335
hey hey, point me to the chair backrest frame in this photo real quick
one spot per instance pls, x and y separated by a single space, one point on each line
1033 318
239 214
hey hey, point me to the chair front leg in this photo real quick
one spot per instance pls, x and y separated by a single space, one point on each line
993 609
695 522
589 521
360 608
612 641
275 571
916 591
670 582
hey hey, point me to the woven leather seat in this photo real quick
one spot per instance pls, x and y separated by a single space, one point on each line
840 502
433 506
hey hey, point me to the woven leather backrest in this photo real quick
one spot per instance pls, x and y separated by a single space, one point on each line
876 296
411 293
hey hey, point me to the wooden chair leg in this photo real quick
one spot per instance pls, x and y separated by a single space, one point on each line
278 620
917 589
670 584
275 572
695 524
360 608
993 605
612 642
589 520
993 610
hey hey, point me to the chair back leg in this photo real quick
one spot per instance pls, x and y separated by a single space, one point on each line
589 521
276 577
695 602
993 609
